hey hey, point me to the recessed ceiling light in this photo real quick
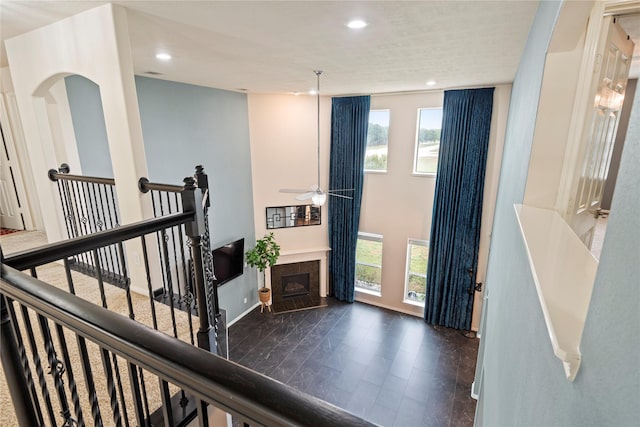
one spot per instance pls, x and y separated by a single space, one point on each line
431 82
357 24
313 92
163 56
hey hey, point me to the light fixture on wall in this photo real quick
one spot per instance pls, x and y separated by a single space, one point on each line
317 195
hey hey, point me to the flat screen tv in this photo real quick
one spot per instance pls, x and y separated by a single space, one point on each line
228 261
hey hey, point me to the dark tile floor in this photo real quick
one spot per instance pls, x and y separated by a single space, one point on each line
389 368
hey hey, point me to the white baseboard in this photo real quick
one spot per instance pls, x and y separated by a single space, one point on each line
244 313
388 307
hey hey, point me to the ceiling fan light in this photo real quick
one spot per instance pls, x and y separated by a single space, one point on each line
319 199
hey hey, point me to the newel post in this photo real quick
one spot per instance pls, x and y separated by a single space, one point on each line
202 181
195 230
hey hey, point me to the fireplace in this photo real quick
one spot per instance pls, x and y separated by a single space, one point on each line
295 285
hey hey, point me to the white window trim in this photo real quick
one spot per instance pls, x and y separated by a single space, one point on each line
417 242
386 169
414 171
372 237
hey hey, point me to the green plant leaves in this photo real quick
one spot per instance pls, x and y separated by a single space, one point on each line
265 253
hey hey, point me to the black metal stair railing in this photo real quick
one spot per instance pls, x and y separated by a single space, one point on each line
182 325
90 204
178 288
71 325
91 365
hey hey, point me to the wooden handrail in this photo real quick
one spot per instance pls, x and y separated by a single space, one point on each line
54 175
59 250
255 398
145 186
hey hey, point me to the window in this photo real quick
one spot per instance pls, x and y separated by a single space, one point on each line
415 288
369 263
428 141
375 158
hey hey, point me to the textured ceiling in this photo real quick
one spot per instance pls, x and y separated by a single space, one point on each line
274 46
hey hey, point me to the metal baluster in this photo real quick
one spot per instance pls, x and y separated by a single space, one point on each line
65 210
88 380
91 222
203 414
189 295
36 361
115 361
165 252
175 251
84 357
67 270
127 282
111 387
165 257
57 369
145 401
109 224
134 381
70 377
97 226
159 237
114 203
120 390
82 219
103 297
167 410
145 257
16 368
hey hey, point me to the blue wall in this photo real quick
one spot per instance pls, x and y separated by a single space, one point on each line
524 383
88 125
183 126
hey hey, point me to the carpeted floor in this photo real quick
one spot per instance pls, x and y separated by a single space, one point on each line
87 288
4 231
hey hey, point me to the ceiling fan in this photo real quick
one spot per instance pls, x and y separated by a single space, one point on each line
317 195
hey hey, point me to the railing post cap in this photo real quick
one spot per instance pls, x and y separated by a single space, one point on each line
64 168
52 175
199 169
189 183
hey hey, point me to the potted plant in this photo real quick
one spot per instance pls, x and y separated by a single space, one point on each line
264 254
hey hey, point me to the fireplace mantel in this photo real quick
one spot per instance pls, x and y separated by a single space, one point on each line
288 256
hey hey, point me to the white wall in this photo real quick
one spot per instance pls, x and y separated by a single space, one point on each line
14 137
40 58
396 204
284 155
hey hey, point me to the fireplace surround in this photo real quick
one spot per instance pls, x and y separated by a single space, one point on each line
295 285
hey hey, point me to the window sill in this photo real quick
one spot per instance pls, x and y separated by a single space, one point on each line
424 175
368 292
563 270
375 172
412 302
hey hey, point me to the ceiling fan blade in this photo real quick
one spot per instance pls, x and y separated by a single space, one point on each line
292 190
305 196
340 195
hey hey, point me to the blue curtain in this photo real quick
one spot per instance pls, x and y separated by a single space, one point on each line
457 207
349 124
